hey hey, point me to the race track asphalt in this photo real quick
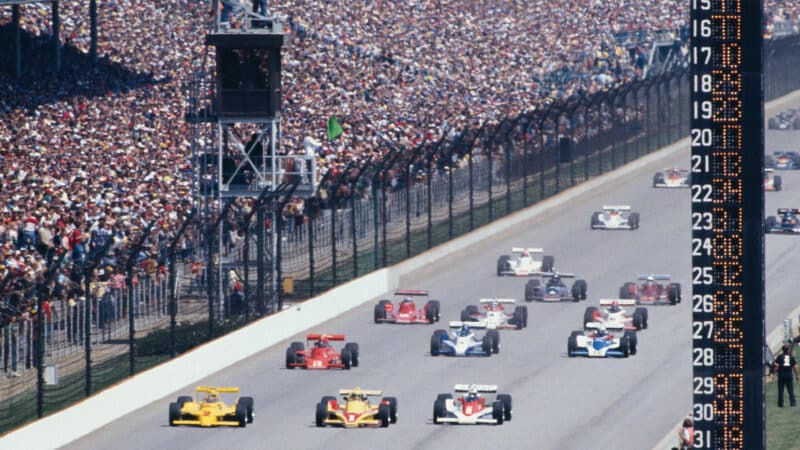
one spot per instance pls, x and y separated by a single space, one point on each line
559 402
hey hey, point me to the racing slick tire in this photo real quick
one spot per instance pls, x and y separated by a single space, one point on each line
625 290
184 399
468 312
579 290
436 342
625 346
392 402
633 220
524 310
353 352
658 178
796 123
502 263
772 123
572 344
444 397
595 220
347 358
291 358
380 311
518 318
322 413
439 409
577 333
674 293
777 182
633 342
589 315
174 413
769 161
770 224
547 263
495 337
248 403
486 345
497 411
432 311
241 415
643 311
384 415
506 400
638 320
531 288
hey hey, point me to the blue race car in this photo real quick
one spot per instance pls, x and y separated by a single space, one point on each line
554 289
601 344
783 161
787 222
463 342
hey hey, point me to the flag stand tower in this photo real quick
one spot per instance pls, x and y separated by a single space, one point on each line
245 158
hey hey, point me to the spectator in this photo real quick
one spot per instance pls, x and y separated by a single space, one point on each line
785 365
686 434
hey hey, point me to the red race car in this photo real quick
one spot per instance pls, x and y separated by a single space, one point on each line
406 310
320 353
650 292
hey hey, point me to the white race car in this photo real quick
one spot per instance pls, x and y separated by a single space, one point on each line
529 261
613 316
615 217
464 342
672 178
472 408
494 315
601 344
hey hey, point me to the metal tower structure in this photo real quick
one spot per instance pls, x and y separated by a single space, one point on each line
235 110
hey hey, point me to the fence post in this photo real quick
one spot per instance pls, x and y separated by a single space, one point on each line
470 156
525 145
353 228
246 251
429 202
87 334
384 219
541 153
310 226
332 198
39 339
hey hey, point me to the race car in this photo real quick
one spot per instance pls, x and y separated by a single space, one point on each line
472 408
772 182
529 262
406 310
650 292
355 410
494 315
613 316
210 411
615 217
785 120
550 287
672 178
464 342
787 222
320 353
783 161
601 344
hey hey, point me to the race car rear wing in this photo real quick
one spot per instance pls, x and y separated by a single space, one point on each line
325 337
620 301
479 387
617 207
411 293
529 249
498 300
594 325
788 210
459 324
659 277
768 170
217 390
552 274
368 392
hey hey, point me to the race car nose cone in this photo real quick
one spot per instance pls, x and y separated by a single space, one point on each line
598 344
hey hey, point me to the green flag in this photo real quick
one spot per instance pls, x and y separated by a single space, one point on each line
334 128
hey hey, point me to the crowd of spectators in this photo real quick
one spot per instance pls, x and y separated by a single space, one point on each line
98 152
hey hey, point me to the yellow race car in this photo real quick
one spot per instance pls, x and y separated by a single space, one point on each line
355 410
210 411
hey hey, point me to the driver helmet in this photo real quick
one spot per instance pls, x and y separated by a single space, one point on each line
525 252
321 344
211 398
614 307
600 332
472 392
494 304
406 299
650 280
464 331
